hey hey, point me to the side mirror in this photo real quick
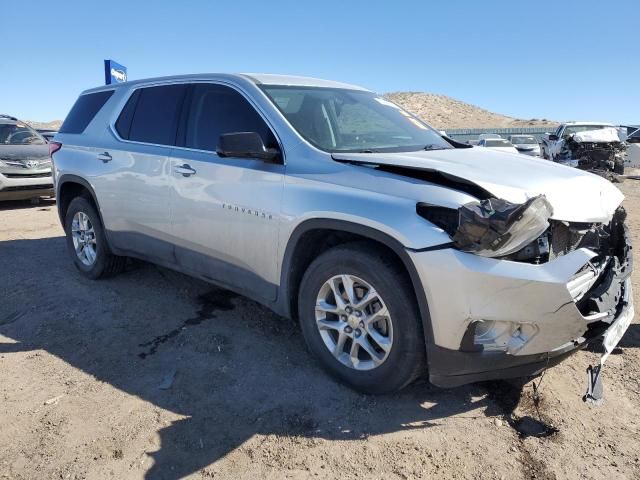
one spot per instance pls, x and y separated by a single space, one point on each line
245 145
553 137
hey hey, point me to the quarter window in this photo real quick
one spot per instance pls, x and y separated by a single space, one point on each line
83 111
215 110
156 114
123 125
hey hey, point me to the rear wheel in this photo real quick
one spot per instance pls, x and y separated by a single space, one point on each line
86 241
360 319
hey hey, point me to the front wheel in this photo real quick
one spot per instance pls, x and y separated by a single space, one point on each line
359 317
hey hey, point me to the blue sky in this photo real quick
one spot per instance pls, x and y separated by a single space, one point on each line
546 59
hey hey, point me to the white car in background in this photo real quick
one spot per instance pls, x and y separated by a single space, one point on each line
499 144
526 144
487 136
632 158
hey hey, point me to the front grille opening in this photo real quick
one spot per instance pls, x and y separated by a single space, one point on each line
27 175
27 187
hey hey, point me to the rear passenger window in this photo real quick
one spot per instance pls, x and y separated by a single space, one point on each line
155 118
83 111
215 110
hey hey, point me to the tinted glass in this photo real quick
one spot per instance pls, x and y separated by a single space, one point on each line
83 111
341 120
524 140
215 110
497 143
19 134
156 114
123 125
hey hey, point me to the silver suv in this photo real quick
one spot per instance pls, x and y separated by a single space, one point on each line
399 251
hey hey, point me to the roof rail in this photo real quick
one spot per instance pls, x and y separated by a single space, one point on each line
3 115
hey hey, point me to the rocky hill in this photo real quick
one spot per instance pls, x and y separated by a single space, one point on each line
444 112
52 125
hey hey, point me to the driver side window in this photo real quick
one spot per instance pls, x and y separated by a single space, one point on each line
215 110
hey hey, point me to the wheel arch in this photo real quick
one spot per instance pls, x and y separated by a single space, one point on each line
70 186
313 236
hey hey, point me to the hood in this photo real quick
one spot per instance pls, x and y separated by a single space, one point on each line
24 152
602 135
576 196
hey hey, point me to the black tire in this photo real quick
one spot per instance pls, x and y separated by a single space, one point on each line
106 263
544 154
406 359
618 168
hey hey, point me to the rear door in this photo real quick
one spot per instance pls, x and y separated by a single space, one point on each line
135 196
225 211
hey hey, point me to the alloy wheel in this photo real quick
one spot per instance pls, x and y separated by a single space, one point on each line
354 322
84 238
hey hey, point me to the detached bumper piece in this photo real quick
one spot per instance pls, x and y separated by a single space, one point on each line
611 301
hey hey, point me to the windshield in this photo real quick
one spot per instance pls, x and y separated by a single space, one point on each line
497 143
19 134
524 140
340 120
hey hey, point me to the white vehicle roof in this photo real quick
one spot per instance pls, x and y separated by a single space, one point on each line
299 81
606 124
257 78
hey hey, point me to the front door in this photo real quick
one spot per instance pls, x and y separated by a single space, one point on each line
225 211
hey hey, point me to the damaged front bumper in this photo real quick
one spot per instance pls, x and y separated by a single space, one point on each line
494 318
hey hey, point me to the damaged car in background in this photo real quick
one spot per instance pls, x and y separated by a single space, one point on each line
595 147
400 252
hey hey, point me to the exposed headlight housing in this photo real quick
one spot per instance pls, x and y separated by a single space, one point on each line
492 227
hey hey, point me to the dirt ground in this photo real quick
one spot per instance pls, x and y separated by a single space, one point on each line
153 374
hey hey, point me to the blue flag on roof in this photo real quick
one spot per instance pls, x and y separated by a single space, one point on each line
114 72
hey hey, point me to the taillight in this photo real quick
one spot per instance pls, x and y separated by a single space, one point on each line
53 148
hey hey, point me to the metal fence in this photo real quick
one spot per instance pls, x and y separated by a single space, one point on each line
471 134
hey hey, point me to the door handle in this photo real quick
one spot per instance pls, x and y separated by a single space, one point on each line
105 157
184 170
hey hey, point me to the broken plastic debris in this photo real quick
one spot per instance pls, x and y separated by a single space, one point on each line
496 227
53 400
594 386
